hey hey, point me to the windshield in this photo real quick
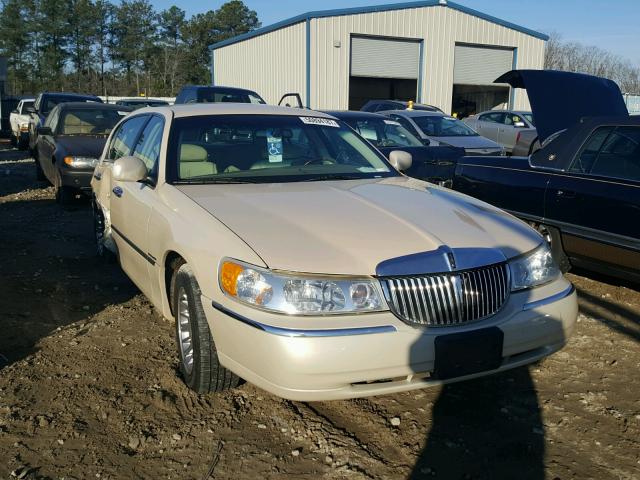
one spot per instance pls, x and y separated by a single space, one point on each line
88 121
218 95
269 148
385 133
529 117
442 126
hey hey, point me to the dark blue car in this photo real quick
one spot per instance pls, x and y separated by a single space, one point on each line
582 188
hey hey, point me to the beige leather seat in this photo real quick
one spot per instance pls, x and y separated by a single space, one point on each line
194 162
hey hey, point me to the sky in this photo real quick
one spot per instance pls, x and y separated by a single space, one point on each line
608 24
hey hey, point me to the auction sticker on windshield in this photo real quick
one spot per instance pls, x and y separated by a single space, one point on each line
391 122
324 122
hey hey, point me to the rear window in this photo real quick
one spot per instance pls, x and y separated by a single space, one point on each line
51 102
216 95
87 121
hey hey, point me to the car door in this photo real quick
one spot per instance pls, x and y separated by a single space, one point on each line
45 147
508 131
597 202
131 208
489 124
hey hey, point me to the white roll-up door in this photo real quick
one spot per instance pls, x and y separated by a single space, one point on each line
384 58
480 65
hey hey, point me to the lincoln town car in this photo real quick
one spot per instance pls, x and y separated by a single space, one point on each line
292 254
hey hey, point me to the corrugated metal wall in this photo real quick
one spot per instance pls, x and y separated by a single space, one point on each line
271 64
439 27
276 62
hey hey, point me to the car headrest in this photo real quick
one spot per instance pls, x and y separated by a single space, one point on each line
192 153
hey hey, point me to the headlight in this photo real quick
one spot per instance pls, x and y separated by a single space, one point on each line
81 162
533 269
298 294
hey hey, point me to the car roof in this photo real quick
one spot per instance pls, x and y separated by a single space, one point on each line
70 94
215 87
196 109
417 113
141 100
521 112
92 105
353 114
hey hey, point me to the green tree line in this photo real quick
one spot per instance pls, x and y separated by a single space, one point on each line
118 49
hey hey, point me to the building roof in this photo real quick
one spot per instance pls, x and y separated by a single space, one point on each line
372 9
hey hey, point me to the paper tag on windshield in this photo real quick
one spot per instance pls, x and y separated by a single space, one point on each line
391 122
274 147
323 122
123 114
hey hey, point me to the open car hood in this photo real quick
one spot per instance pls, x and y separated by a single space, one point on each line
560 99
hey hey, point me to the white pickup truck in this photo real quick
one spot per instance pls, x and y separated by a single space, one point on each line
19 120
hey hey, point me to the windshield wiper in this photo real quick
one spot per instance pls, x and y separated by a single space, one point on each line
200 181
332 177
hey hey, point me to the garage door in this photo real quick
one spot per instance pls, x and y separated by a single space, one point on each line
384 58
480 65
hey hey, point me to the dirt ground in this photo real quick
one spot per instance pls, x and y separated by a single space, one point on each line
89 386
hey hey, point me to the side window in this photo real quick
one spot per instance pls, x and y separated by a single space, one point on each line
619 156
587 156
122 141
51 118
496 117
406 124
148 147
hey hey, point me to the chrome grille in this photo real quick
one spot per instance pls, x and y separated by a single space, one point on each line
448 298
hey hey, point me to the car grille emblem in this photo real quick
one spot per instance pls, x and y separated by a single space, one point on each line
452 260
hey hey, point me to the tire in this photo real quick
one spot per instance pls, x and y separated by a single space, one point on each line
98 234
40 176
554 239
199 363
65 196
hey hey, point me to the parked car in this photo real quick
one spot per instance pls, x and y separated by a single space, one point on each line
19 121
433 164
44 104
70 143
382 105
438 129
291 253
501 126
137 103
582 188
527 143
208 94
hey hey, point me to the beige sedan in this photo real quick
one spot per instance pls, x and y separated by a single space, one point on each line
292 254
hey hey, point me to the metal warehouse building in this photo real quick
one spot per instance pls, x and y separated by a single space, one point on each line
435 52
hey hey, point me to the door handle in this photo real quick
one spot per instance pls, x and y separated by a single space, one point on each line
565 194
117 191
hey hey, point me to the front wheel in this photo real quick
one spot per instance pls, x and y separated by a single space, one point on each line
39 172
199 363
65 195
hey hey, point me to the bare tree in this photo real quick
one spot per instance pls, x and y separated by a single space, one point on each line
576 57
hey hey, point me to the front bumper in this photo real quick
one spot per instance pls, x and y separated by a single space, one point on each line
80 179
374 354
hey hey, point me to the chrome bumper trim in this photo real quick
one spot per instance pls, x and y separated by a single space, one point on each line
553 298
289 332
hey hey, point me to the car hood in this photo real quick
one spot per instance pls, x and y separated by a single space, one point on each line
350 227
469 142
80 145
560 99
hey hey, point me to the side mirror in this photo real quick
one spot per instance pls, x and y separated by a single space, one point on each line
425 141
14 110
400 160
44 131
519 125
30 110
129 169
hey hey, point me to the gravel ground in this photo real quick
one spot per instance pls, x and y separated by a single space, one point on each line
89 385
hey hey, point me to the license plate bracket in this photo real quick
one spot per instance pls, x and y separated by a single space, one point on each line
466 353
